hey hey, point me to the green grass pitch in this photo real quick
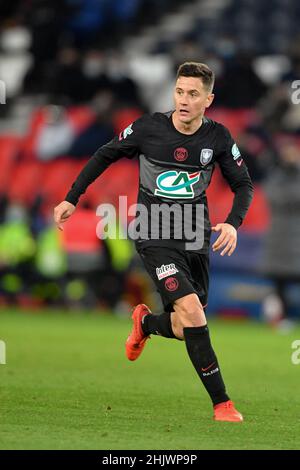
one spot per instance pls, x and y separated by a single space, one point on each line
68 385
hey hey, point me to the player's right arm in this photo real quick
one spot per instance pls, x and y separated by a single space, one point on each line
127 144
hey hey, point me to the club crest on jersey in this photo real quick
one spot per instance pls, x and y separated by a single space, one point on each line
176 184
126 132
181 154
206 156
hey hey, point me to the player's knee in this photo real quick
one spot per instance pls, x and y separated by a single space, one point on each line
192 316
190 311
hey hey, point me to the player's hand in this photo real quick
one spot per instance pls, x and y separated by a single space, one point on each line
62 212
227 239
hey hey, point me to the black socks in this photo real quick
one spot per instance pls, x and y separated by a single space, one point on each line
200 351
205 362
158 325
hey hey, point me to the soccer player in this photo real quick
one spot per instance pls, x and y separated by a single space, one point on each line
177 153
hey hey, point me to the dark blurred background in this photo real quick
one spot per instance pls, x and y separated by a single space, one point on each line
76 73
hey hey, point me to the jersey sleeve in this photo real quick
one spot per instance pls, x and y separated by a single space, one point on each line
127 144
235 172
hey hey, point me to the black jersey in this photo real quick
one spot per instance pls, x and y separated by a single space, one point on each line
175 171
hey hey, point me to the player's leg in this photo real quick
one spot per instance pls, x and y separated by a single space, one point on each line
167 324
164 324
185 318
174 285
168 270
171 271
192 277
190 314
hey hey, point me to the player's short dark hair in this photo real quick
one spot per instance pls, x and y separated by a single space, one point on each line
199 70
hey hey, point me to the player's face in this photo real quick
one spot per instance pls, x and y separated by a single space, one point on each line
191 99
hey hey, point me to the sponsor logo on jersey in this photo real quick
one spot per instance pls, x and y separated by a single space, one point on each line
206 156
235 152
171 284
176 184
126 132
181 154
166 270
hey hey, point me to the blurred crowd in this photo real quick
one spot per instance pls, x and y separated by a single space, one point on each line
77 72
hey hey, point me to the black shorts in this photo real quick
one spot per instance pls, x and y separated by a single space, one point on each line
177 273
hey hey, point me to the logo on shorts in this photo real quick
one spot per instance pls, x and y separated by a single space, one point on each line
166 270
181 154
171 284
206 156
176 184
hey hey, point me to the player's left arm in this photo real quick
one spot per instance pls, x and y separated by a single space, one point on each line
235 172
127 144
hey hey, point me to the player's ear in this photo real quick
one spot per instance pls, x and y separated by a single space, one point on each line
209 100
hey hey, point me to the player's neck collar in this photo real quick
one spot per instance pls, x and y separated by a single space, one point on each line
199 130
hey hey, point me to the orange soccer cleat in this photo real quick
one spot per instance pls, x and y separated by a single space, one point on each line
226 412
136 341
